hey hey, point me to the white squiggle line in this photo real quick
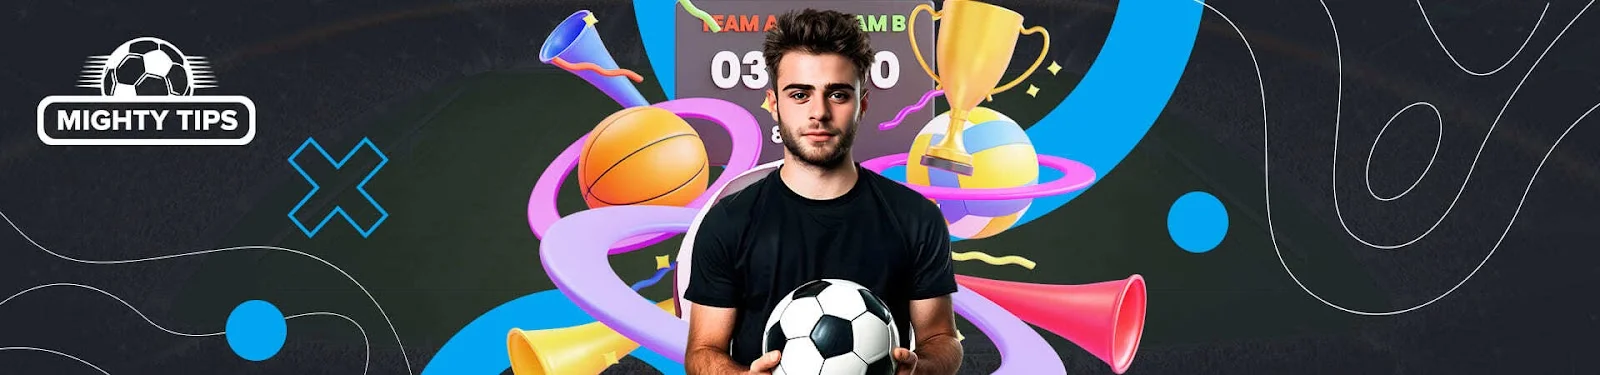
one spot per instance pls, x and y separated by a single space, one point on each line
1470 169
1453 56
80 360
352 279
366 362
113 296
1436 143
365 342
1267 180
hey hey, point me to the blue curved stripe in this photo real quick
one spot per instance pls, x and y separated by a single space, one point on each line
660 44
1124 91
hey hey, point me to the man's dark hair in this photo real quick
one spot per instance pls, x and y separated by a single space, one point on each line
818 32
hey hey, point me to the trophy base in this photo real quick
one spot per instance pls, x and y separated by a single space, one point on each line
961 167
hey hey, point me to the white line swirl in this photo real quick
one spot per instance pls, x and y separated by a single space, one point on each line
1266 164
33 349
341 271
1452 56
113 296
1337 119
364 341
1367 176
367 344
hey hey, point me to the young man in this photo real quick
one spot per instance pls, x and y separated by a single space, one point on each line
819 216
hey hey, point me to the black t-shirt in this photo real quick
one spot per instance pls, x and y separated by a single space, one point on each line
757 245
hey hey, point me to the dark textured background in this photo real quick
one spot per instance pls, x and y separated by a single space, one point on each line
454 94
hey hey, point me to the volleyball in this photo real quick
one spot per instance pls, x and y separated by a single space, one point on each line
1002 157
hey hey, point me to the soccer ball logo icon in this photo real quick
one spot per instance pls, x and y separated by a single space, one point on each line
147 66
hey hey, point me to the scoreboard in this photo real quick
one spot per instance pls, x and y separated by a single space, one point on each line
729 65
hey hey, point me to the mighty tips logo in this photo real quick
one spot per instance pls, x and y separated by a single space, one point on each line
147 96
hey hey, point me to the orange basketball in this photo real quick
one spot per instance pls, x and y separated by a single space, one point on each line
642 155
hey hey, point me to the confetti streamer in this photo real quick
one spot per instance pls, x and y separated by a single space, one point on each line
589 66
646 283
992 260
908 109
697 13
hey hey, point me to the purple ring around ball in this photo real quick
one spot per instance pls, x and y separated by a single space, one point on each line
1074 176
742 128
575 258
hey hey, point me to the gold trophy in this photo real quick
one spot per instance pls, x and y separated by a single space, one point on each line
973 50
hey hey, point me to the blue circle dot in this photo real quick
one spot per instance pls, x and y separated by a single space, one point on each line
1197 222
256 330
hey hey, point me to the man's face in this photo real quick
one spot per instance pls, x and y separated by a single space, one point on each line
817 102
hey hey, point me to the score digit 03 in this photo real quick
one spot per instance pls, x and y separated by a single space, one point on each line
729 69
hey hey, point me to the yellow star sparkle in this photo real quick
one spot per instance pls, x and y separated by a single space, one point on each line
610 357
662 262
766 105
590 19
1033 91
1054 68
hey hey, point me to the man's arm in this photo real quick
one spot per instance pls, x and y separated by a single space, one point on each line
710 330
933 316
938 350
710 296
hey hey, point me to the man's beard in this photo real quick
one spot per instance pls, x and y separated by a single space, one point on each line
829 159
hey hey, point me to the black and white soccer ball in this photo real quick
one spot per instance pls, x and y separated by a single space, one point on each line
147 66
832 327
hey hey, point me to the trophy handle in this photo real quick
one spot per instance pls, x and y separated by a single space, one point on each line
1032 30
911 31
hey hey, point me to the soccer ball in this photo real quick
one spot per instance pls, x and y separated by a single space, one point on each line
832 327
146 66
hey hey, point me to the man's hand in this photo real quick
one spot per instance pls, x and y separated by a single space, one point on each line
766 364
938 351
905 361
710 329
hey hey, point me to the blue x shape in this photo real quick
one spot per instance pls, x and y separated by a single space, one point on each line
360 187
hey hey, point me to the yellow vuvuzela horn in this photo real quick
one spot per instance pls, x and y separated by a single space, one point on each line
576 350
